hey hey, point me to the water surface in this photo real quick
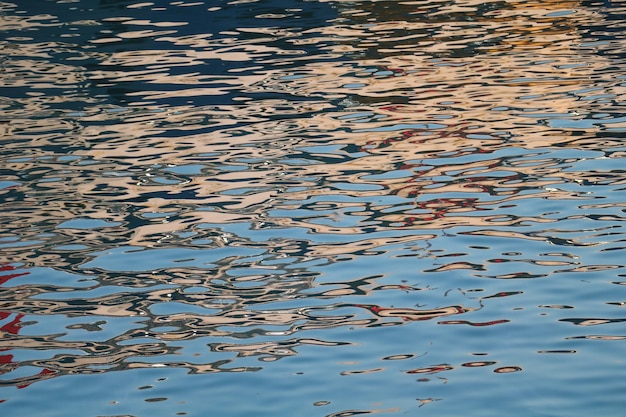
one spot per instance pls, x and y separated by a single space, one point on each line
312 208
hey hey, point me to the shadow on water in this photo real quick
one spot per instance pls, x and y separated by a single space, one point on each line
321 208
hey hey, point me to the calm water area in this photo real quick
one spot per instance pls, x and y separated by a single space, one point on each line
312 208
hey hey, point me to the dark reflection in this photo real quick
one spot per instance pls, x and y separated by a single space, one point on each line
599 337
507 369
478 364
409 314
486 323
349 187
349 413
431 369
592 322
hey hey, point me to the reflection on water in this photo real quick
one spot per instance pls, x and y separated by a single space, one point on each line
334 207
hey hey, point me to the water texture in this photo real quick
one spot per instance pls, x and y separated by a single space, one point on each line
312 208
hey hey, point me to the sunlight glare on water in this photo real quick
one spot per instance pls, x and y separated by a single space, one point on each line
312 208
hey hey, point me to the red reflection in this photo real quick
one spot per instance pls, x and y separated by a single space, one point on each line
13 326
44 373
7 364
396 71
11 323
5 277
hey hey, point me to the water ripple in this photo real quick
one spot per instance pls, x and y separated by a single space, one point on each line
368 205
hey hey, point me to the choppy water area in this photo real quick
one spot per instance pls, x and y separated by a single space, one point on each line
312 208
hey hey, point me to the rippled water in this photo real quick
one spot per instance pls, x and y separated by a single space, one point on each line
312 208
